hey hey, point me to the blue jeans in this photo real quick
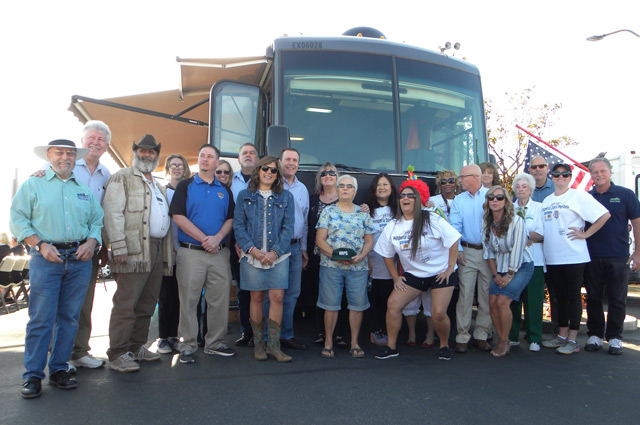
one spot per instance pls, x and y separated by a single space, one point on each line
290 294
334 281
57 294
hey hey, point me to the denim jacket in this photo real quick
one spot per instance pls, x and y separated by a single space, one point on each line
248 221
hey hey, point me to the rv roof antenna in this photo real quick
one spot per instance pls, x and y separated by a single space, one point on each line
448 46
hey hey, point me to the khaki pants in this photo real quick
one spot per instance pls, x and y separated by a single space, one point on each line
133 305
196 270
81 343
476 269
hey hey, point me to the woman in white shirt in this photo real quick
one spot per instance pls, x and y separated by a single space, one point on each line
565 251
428 260
533 296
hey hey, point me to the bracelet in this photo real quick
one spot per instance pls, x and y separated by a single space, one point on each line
275 252
494 275
250 250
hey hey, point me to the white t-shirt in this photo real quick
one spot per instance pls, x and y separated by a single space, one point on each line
559 213
444 205
432 256
533 219
382 216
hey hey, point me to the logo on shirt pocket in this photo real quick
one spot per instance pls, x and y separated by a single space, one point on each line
83 196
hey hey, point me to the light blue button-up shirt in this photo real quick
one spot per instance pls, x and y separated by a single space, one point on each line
301 199
238 184
96 181
56 210
466 215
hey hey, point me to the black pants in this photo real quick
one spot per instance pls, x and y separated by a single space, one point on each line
168 307
566 281
606 276
380 291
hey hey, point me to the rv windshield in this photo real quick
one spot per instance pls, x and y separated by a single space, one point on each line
339 107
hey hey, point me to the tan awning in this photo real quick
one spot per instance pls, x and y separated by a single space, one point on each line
178 119
131 117
198 75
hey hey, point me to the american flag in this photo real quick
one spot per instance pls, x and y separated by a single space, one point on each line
580 177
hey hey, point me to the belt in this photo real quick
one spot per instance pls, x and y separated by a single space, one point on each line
294 241
470 245
67 245
198 247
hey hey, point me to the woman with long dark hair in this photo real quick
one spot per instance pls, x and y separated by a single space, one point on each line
263 226
382 199
428 248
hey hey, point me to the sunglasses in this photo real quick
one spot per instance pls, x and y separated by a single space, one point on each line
450 180
225 172
538 167
409 195
266 168
498 197
564 174
328 173
174 166
348 186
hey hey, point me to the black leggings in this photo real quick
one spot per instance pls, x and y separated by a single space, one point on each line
566 280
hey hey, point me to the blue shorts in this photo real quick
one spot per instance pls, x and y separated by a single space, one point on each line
332 283
255 279
516 286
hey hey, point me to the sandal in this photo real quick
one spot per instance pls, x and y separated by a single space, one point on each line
319 341
328 353
356 353
427 345
411 343
341 342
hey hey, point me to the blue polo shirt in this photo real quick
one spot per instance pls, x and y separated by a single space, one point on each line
206 205
612 240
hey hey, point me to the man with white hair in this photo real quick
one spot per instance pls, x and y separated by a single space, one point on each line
62 221
136 221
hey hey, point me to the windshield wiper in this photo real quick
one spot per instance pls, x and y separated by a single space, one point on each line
347 167
429 173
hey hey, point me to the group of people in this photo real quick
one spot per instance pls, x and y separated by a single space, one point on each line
181 245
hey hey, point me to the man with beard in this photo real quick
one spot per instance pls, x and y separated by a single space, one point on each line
248 158
137 223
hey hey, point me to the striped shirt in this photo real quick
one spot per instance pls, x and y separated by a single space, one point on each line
510 250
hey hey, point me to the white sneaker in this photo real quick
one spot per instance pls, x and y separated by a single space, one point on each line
87 361
534 346
144 355
593 344
615 346
514 343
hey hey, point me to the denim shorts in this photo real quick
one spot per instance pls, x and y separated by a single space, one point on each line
332 283
520 281
255 279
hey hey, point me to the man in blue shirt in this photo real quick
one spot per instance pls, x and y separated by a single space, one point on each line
539 169
203 210
609 266
248 158
466 218
62 221
289 161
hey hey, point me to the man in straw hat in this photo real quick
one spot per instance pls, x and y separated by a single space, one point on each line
136 222
62 221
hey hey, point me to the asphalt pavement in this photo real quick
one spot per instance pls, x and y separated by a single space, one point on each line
524 387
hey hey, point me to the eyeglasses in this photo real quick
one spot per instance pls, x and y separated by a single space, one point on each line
225 172
348 186
273 170
450 180
498 197
409 195
467 175
564 174
174 166
328 173
538 167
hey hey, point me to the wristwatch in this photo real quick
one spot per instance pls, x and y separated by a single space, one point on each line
37 246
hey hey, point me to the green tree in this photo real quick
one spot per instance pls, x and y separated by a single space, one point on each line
506 142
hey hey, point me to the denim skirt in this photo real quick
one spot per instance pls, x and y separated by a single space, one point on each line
518 283
255 279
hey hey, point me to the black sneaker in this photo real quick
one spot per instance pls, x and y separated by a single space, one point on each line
244 340
187 357
63 380
386 353
444 353
223 350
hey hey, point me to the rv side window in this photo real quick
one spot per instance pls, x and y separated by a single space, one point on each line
236 116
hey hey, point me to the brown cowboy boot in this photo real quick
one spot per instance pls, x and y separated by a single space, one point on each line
273 345
259 350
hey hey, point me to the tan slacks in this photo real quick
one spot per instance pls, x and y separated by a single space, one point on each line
476 269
